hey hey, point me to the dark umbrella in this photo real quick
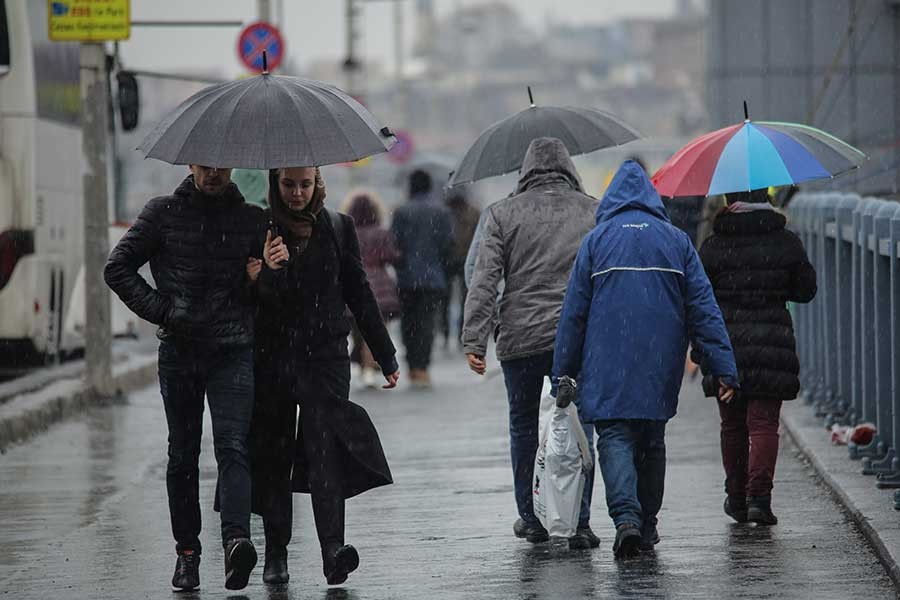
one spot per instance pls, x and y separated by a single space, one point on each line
501 148
265 122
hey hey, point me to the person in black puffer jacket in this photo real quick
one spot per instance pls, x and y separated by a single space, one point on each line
198 241
755 266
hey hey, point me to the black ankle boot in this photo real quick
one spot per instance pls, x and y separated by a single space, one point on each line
240 558
276 568
736 508
338 562
187 571
759 510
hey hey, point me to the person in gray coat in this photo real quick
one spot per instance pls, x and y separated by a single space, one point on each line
528 242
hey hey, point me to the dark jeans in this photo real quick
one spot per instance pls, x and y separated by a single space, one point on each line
456 291
417 323
524 379
632 457
749 445
225 377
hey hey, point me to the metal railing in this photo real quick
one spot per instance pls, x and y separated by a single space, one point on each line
848 337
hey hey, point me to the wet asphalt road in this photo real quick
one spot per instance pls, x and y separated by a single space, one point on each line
84 515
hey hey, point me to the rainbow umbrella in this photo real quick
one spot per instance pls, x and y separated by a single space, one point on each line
754 155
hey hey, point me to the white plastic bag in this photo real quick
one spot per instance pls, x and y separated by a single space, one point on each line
560 467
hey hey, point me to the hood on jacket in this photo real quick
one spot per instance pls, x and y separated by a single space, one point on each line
631 189
547 161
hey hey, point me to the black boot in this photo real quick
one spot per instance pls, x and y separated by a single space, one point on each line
276 569
759 510
736 508
584 539
187 571
628 541
534 533
240 558
338 562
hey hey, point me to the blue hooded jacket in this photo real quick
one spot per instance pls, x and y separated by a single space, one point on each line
636 295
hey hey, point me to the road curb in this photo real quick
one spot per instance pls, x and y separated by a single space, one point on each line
886 556
37 411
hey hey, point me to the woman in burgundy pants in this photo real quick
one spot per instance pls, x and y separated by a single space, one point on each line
756 267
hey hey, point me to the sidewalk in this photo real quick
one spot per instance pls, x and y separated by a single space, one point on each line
31 404
87 517
870 508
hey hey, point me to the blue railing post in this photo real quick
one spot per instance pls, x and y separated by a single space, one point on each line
892 480
879 245
827 290
843 309
865 333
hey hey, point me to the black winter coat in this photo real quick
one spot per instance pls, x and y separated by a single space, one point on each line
302 358
197 247
756 266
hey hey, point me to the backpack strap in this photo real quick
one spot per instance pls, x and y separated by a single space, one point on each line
338 230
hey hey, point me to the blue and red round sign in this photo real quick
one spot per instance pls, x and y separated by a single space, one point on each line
403 150
256 38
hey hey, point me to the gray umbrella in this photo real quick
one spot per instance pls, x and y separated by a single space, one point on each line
501 148
266 122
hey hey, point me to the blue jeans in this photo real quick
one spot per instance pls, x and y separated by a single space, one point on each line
524 379
225 377
632 457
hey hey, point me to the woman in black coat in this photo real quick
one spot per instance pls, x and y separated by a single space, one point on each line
756 266
311 272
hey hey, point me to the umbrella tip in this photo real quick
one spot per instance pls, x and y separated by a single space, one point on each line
386 132
530 97
746 113
265 70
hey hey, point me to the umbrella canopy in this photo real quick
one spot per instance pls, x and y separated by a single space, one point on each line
266 122
754 155
501 148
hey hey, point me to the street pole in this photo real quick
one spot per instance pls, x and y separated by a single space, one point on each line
95 127
264 10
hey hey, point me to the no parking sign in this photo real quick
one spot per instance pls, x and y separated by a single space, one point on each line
256 38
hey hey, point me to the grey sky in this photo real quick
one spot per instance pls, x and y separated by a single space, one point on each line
314 29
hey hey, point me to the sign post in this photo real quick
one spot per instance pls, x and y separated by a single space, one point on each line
93 22
257 38
89 20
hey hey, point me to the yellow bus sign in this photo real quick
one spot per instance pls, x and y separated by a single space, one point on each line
89 20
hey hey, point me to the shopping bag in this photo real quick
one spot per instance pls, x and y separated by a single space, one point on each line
560 468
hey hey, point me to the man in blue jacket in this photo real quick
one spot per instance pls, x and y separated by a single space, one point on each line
637 294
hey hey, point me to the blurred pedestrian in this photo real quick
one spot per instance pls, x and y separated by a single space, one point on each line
424 234
311 274
197 242
465 220
636 294
529 241
756 266
378 251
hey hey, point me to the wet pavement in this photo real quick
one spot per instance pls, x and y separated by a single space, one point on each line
84 515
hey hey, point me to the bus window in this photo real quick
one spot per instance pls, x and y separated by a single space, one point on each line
4 40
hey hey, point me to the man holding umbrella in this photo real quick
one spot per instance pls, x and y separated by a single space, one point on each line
197 241
529 241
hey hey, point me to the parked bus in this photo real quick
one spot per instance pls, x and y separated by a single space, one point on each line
41 200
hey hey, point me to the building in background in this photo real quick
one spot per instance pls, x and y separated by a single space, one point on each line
833 64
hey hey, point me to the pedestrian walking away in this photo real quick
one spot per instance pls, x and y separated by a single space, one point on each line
528 244
465 220
378 250
424 233
311 273
197 242
636 296
756 266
